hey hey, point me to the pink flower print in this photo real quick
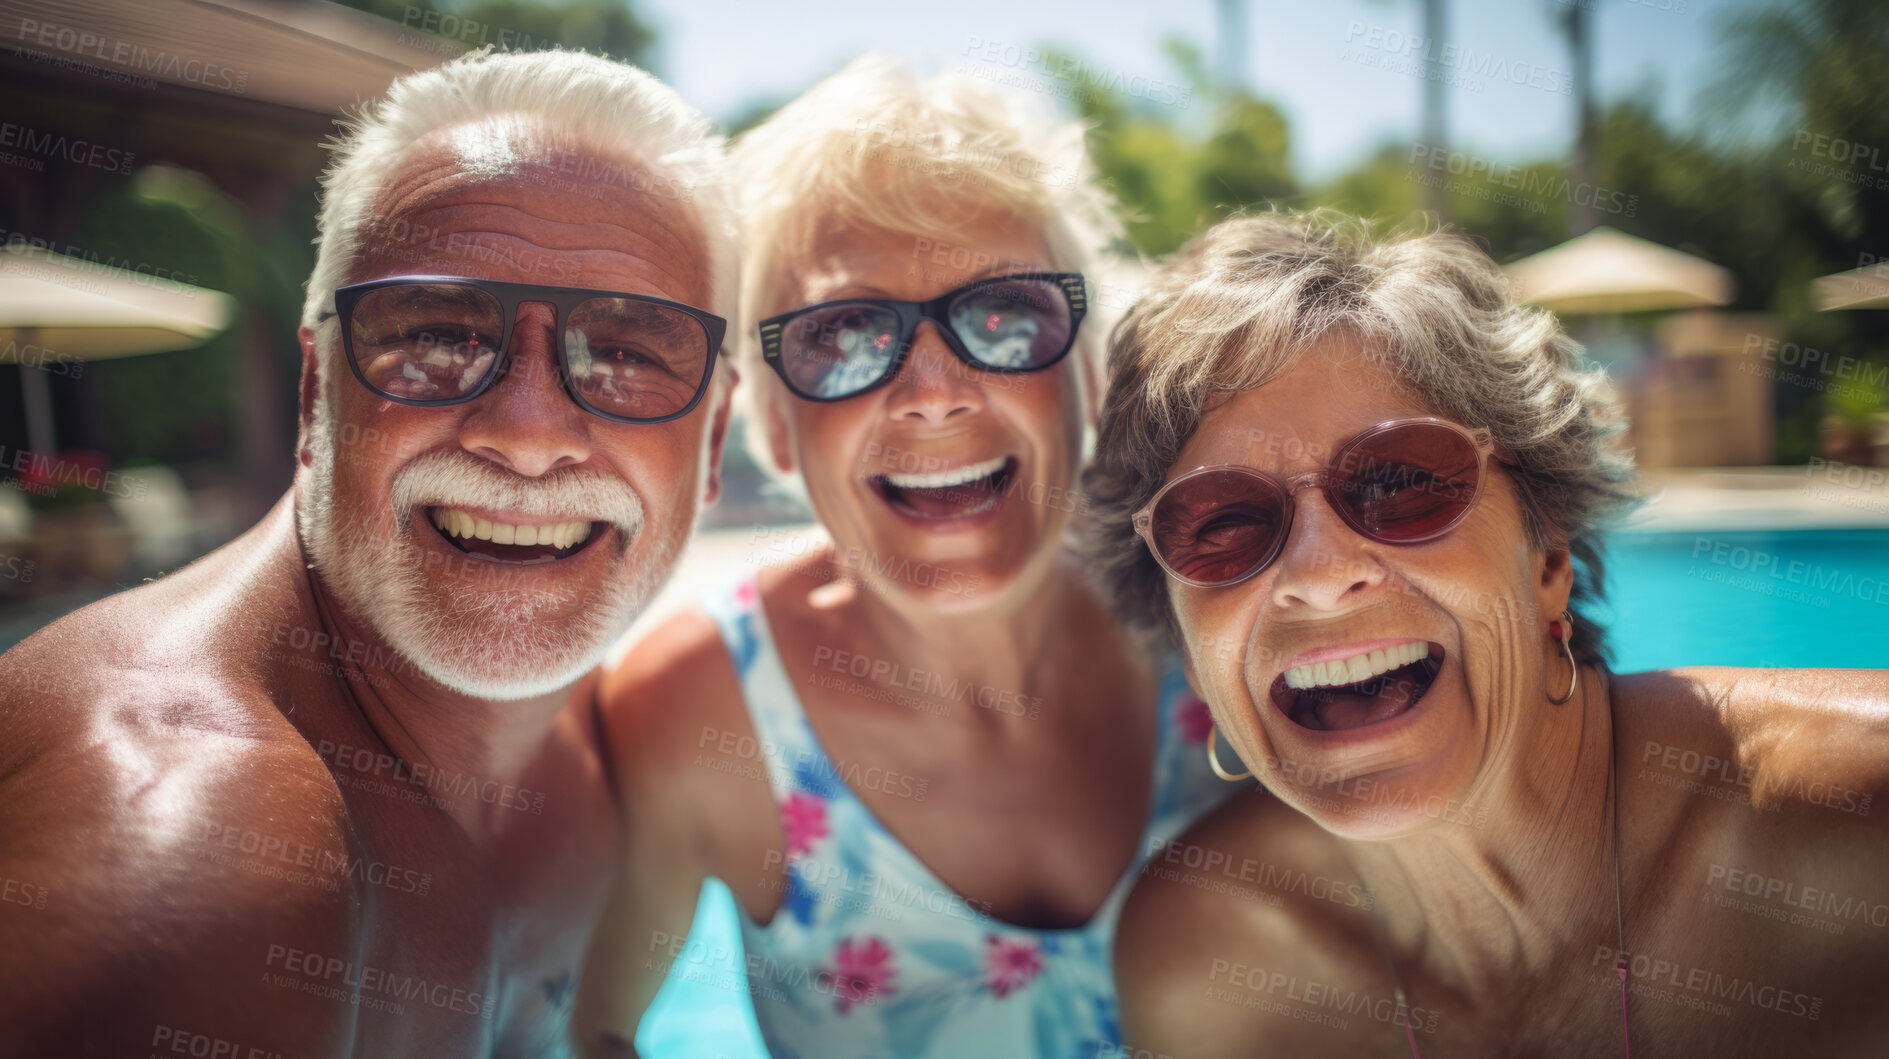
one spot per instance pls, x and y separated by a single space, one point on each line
1193 717
1010 965
861 973
747 592
803 818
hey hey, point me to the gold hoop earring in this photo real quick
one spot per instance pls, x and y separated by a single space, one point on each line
1563 630
1213 758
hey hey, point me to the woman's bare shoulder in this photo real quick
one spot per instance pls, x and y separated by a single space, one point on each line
1252 891
1789 736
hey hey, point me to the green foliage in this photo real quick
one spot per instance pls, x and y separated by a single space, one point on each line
178 406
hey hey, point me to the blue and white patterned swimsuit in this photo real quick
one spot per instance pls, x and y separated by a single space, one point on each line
870 955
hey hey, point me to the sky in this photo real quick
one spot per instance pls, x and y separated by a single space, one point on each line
1342 70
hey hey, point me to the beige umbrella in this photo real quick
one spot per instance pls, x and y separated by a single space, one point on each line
1609 271
1859 288
55 310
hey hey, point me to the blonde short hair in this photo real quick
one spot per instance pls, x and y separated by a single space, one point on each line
877 146
1237 304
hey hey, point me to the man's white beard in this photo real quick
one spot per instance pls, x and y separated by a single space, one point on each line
458 630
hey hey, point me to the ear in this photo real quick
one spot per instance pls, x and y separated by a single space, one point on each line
309 388
718 432
1554 581
779 440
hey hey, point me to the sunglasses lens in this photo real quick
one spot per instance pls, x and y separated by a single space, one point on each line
1408 483
1017 324
1218 526
635 359
426 342
839 350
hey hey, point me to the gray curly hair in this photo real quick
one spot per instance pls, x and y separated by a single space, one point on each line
1237 304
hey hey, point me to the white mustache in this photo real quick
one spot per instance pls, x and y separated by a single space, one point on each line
459 479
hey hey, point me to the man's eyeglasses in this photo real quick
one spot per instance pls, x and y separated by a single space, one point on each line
840 349
442 340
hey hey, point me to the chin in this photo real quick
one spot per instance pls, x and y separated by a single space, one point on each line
514 639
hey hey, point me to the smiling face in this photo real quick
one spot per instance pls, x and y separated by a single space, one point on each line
1376 687
503 543
948 485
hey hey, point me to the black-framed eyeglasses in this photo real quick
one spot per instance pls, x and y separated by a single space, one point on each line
840 349
443 340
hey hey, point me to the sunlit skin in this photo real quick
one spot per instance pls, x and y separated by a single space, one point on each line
1031 813
1479 821
159 738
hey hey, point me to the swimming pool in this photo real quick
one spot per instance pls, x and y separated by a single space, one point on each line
1706 597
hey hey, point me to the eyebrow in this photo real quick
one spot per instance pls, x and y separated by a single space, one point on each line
866 290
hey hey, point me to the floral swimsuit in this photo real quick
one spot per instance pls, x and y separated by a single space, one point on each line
870 955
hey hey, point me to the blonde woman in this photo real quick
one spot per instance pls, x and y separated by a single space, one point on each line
922 754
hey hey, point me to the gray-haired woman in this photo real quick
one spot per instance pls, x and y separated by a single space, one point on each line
1364 489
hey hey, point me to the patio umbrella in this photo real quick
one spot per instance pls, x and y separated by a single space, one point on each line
1609 271
56 309
1859 288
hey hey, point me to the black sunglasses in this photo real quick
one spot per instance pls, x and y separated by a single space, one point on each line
840 349
442 340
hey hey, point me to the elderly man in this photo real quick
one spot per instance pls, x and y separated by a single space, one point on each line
338 788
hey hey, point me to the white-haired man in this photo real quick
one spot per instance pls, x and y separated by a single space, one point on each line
338 788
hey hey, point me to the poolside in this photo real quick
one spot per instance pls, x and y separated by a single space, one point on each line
1774 567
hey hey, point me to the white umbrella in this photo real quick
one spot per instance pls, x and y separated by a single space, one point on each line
1609 271
55 310
1859 288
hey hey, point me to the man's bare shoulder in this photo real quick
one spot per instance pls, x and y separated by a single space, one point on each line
178 827
1254 889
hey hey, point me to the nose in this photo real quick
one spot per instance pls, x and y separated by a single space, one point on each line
933 385
526 422
1325 564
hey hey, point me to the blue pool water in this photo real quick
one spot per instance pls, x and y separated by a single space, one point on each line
1744 598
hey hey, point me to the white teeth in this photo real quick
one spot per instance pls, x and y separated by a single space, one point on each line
954 476
456 523
1356 668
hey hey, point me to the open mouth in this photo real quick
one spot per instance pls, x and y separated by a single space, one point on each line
1358 692
506 542
956 493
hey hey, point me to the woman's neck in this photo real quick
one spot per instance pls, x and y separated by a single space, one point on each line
1486 908
1021 643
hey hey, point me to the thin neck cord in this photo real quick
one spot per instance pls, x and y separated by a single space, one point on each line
1620 919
